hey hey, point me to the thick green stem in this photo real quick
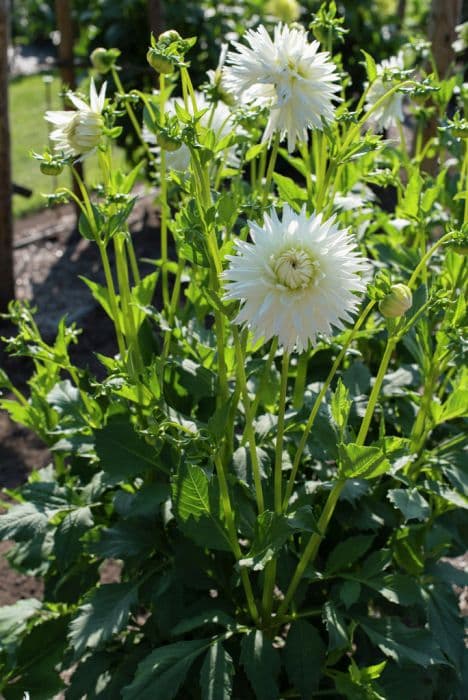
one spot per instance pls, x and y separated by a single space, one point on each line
370 410
270 572
242 380
280 434
112 298
231 528
422 263
318 401
313 544
271 168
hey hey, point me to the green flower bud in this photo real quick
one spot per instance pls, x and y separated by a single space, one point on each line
396 302
160 62
103 59
168 141
50 167
285 10
169 37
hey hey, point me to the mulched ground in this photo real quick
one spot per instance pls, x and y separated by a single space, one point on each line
49 257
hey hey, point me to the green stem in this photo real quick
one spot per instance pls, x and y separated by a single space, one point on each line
128 310
422 263
264 377
112 297
270 572
300 381
242 380
280 434
318 401
313 544
231 527
271 168
366 421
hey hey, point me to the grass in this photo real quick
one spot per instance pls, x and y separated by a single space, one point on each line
29 98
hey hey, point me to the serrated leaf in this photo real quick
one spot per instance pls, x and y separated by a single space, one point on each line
196 504
350 592
104 615
254 151
216 674
346 553
410 204
37 662
359 461
337 633
456 406
272 531
445 622
339 406
261 663
68 533
122 452
124 540
371 68
410 503
22 523
403 643
160 675
289 191
304 654
13 620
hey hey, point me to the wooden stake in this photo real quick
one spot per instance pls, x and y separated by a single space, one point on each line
7 285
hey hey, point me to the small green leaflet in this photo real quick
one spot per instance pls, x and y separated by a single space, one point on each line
261 663
217 673
403 643
410 503
105 614
122 452
304 654
359 461
160 675
196 504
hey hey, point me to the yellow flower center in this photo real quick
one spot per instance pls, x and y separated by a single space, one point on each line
296 269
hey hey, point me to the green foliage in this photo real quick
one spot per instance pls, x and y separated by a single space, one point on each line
221 519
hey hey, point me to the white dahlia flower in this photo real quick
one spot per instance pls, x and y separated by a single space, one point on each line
298 278
288 76
390 113
79 131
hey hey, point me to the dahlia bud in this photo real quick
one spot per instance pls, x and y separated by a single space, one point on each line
103 59
285 10
51 167
159 61
169 37
396 302
168 141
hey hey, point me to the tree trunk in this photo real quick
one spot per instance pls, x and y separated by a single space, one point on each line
444 17
155 17
7 285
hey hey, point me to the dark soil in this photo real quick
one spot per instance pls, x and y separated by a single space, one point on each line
49 258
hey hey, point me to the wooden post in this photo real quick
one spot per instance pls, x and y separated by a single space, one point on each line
155 17
65 47
7 284
444 17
